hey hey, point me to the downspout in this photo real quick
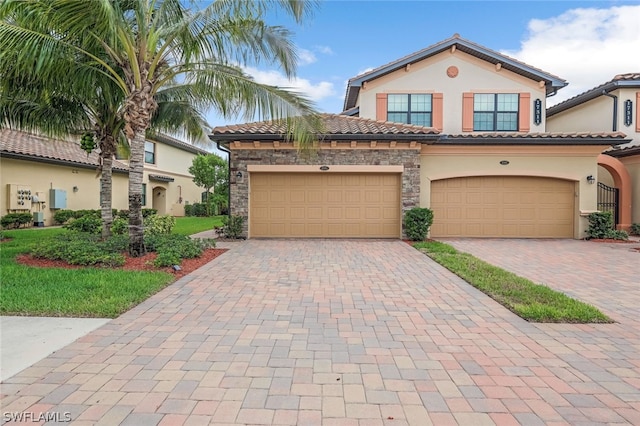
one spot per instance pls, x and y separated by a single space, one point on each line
223 149
615 110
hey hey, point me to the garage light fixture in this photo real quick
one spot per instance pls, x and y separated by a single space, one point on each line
239 176
591 179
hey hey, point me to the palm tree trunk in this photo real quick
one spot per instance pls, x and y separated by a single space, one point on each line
106 191
136 167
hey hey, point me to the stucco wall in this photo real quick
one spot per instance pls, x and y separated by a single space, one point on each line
41 177
570 163
430 75
632 163
240 158
597 116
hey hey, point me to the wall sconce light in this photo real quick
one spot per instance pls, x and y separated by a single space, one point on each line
591 179
75 189
239 176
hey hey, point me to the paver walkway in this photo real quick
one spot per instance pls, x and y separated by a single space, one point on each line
334 332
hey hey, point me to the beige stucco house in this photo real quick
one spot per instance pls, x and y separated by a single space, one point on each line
62 176
455 127
611 106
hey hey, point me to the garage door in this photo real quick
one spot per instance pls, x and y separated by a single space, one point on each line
324 205
503 206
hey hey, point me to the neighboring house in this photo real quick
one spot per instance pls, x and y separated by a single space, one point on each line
455 127
62 176
611 106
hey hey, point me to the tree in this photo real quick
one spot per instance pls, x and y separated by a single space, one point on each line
152 44
63 107
210 171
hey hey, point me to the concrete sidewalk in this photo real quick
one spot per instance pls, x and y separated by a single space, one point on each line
26 340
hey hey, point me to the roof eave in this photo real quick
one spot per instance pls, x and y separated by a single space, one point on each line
55 161
418 137
590 95
527 141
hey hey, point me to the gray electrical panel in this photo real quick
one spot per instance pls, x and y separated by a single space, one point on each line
57 199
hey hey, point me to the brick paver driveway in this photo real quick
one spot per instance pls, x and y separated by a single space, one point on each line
337 332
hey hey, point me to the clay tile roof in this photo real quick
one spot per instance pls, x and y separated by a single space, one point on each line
335 126
544 138
631 80
24 145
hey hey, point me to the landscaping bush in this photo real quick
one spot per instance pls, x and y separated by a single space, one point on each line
79 249
635 228
417 222
89 223
62 216
601 227
119 226
147 212
232 226
195 209
155 224
16 220
171 249
188 209
124 214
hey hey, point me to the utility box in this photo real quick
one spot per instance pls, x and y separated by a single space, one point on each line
57 199
18 197
38 219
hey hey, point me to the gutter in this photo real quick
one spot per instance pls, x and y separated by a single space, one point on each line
615 109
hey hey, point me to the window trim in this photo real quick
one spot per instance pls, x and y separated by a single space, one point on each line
408 112
153 153
495 112
144 194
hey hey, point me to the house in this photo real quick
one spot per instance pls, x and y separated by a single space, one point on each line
455 127
41 175
611 106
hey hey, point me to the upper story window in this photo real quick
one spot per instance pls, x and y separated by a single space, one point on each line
150 153
410 109
495 112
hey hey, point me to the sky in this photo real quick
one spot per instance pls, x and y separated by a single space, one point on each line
584 42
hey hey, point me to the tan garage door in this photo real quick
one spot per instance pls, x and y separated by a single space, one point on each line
503 206
324 205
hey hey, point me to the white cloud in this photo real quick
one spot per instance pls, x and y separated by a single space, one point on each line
306 57
586 47
316 91
326 50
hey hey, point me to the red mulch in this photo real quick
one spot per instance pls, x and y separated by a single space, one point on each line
144 263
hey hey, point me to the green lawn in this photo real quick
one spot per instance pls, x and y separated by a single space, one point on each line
193 225
85 292
533 302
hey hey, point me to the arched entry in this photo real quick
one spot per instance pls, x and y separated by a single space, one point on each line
622 181
160 199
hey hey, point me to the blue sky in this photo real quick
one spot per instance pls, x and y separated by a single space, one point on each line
584 42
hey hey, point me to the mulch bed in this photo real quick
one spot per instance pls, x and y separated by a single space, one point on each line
144 263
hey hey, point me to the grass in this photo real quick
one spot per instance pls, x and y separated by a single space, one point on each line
532 302
192 225
84 292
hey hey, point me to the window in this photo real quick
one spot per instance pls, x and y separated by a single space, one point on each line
144 194
495 112
410 109
150 153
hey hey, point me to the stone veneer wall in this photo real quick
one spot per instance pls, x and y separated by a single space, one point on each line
409 158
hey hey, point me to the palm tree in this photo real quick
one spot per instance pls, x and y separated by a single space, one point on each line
152 44
28 103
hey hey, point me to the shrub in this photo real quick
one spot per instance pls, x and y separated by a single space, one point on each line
62 216
188 209
159 224
119 226
79 249
635 228
600 224
195 209
173 248
601 227
124 214
16 220
232 226
147 212
82 213
89 223
417 222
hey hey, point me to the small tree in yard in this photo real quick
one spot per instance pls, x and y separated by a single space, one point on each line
210 171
